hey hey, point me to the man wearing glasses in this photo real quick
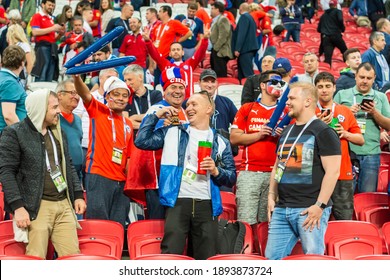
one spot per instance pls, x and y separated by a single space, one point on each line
250 130
71 123
110 141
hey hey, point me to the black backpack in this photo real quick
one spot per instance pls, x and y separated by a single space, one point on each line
231 237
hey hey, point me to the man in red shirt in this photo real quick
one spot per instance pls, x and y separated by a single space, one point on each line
166 33
43 28
133 44
109 148
349 131
250 130
176 53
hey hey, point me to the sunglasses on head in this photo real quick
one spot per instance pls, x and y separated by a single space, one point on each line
275 82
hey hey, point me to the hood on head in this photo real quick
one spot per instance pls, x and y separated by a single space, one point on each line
36 106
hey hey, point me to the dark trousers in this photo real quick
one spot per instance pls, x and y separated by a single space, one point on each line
329 43
245 65
342 198
191 217
155 209
218 64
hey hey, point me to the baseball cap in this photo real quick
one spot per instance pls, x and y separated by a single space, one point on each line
171 76
282 62
208 73
332 3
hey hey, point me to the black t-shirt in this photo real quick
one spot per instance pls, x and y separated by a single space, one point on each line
302 177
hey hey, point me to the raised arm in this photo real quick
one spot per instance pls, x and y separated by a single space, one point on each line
82 89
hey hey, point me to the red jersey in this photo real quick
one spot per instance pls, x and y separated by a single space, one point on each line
167 33
96 31
348 121
259 156
135 45
265 23
188 66
42 21
204 16
102 144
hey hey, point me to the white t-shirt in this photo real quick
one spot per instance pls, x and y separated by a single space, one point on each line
200 187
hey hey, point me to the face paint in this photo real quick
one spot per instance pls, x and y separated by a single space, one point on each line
275 86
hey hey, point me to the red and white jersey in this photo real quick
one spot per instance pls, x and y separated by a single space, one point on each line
259 156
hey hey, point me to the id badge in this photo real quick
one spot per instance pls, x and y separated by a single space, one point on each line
117 155
189 174
279 171
362 125
58 180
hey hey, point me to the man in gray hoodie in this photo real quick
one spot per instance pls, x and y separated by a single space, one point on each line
41 187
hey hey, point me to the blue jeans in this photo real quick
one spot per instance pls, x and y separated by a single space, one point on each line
285 229
105 199
368 174
293 30
47 72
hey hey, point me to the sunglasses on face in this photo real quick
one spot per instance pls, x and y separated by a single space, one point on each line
275 82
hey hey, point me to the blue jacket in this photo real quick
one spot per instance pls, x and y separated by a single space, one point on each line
359 6
174 140
346 80
371 56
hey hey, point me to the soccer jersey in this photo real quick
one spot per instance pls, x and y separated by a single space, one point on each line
250 118
103 141
42 21
349 123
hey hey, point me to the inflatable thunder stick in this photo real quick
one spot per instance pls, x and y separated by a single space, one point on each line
278 110
285 121
102 42
111 63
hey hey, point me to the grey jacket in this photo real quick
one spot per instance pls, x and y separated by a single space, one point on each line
221 37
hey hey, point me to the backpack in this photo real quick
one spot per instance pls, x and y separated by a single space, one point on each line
231 237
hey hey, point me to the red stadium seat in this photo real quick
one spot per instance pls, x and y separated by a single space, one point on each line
368 199
101 237
229 206
350 247
236 257
19 257
310 257
373 257
383 180
164 257
87 257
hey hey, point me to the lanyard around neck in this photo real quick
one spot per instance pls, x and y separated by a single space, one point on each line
136 103
113 128
296 139
56 161
333 106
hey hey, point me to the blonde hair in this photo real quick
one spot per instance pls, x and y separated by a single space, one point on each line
15 34
307 89
254 7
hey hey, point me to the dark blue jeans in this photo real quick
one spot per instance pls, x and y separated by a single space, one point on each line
293 30
105 199
47 72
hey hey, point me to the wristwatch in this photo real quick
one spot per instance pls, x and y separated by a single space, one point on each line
321 205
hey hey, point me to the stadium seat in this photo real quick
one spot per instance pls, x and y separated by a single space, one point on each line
101 237
233 92
19 257
228 81
377 215
229 206
310 257
1 206
386 235
350 247
383 180
86 257
236 257
164 257
368 199
373 257
144 237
